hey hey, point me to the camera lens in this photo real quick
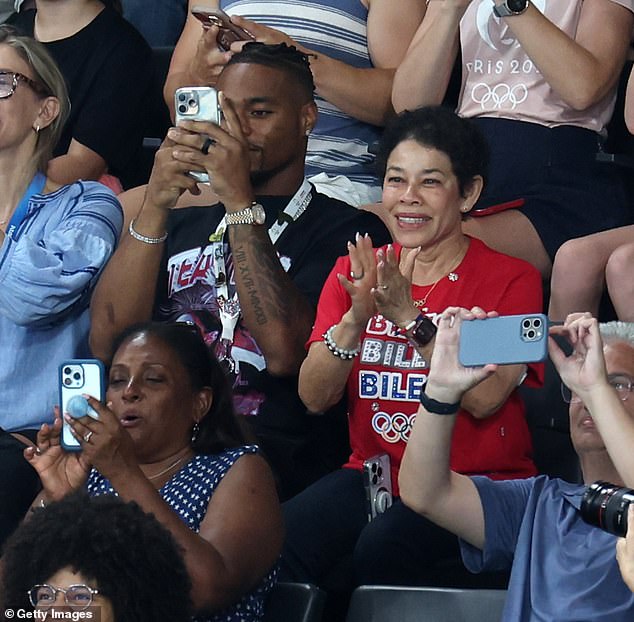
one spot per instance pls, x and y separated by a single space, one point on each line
605 505
182 108
530 334
77 376
67 381
182 97
67 371
192 103
526 323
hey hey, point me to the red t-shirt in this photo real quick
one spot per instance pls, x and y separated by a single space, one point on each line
386 379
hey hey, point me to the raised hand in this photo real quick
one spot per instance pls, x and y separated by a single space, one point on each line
60 471
448 379
169 177
209 60
105 443
262 34
584 369
361 280
228 158
392 294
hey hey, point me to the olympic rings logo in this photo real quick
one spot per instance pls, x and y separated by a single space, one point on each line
498 96
393 428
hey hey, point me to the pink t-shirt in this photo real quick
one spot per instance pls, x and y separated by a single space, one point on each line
500 80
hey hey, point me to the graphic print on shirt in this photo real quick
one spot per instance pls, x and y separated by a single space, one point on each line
507 72
193 279
388 374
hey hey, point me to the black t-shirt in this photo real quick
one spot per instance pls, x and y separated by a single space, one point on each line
301 446
107 66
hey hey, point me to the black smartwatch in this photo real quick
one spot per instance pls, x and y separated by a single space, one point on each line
422 332
438 408
510 7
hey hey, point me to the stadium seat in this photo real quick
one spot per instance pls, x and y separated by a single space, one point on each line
375 603
294 602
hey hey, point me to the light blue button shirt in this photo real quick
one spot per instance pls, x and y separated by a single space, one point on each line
47 272
563 570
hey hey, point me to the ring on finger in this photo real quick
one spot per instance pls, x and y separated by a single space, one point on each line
87 436
356 277
209 142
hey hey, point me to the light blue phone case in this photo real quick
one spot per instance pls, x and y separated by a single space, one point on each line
504 340
77 377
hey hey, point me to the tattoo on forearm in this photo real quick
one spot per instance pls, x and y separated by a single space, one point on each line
264 291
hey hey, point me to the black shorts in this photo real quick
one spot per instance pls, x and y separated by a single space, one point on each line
566 192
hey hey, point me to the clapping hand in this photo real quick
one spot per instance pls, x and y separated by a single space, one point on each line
361 281
392 295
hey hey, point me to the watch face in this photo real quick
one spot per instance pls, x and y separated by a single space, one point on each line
424 331
517 6
259 215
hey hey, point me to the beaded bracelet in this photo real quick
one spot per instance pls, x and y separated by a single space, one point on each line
144 238
342 353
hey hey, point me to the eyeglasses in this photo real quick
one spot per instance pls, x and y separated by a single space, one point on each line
77 596
622 384
9 82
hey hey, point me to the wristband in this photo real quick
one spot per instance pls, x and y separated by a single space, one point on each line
438 408
342 353
144 238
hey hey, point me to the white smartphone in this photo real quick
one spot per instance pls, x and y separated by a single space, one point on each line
197 103
505 340
76 378
377 479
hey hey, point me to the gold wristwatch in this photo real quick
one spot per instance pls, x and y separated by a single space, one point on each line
252 215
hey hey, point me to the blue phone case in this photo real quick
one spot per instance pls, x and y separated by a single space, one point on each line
504 340
77 377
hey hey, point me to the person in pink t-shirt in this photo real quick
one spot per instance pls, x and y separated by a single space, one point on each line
540 78
585 266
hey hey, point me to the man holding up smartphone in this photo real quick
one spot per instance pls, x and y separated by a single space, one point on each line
354 47
562 567
248 271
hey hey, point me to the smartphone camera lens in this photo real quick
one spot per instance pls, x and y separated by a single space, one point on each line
526 323
182 97
67 381
77 376
192 103
182 108
530 334
67 371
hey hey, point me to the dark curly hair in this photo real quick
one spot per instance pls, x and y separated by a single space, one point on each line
220 428
284 57
131 557
440 128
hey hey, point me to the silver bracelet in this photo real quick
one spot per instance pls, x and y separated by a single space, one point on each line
342 353
144 238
